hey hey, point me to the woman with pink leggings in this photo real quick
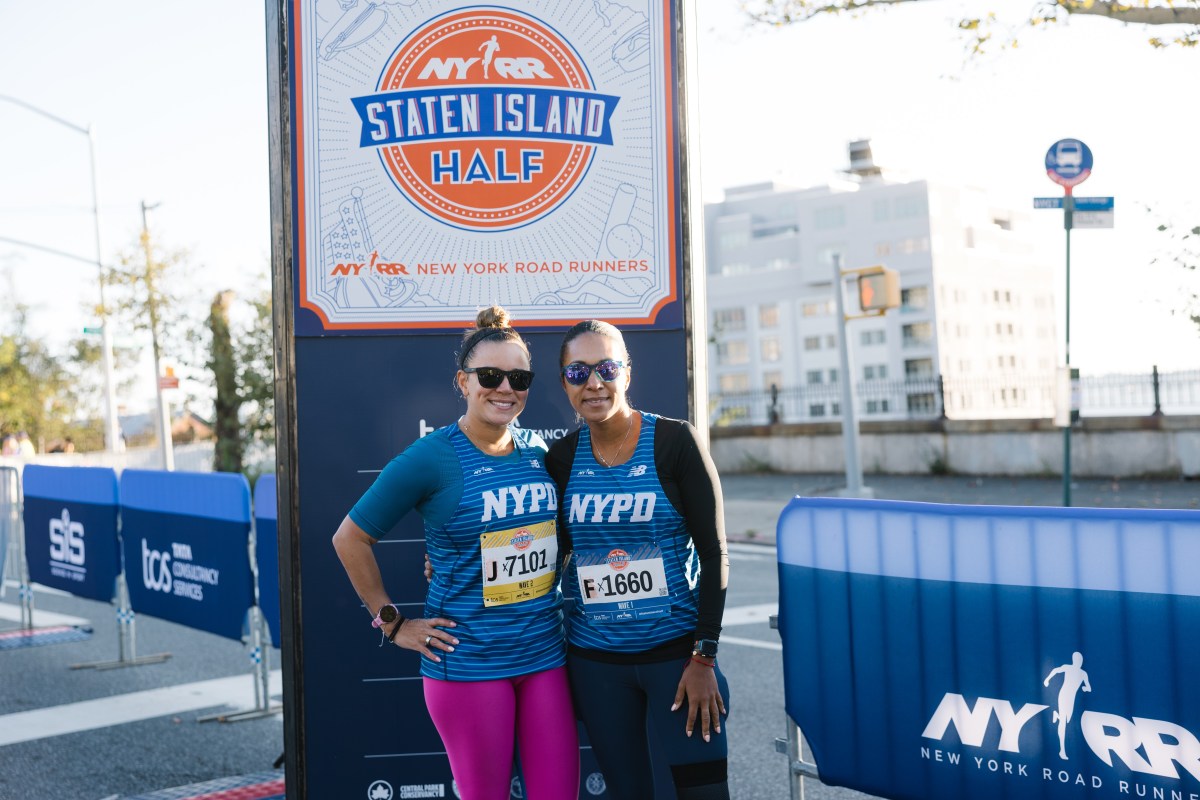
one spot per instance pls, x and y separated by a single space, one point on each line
491 641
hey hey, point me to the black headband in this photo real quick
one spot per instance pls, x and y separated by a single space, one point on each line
482 335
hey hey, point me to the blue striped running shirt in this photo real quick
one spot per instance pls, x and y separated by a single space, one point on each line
505 520
633 571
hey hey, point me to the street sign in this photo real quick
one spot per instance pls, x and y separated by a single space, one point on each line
1068 162
168 382
1092 219
94 331
1081 203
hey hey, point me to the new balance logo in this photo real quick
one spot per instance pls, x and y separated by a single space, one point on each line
637 471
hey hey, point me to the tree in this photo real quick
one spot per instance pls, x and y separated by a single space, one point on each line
981 28
1185 252
244 408
230 447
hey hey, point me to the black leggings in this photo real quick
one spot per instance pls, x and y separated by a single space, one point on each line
621 705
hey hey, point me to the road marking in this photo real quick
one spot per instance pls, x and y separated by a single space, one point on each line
11 613
88 715
749 615
734 640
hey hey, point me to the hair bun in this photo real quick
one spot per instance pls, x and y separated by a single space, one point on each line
493 317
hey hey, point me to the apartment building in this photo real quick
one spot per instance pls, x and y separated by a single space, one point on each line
977 300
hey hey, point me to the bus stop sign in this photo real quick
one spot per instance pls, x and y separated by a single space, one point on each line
1068 162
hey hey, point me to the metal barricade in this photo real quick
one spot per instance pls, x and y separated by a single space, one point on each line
12 535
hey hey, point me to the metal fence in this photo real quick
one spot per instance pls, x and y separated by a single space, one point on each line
1002 396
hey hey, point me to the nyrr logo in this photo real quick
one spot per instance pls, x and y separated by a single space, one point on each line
66 541
1147 746
486 119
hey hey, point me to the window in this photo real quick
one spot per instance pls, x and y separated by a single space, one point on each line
768 348
778 264
814 376
734 382
817 309
772 378
830 217
831 341
833 375
915 245
883 249
881 210
733 240
735 269
918 368
877 406
908 206
923 403
816 410
729 319
733 353
875 372
872 337
914 299
917 334
768 316
812 342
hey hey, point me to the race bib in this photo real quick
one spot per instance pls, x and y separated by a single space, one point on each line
519 563
619 585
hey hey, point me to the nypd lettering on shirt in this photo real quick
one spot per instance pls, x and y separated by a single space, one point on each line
513 501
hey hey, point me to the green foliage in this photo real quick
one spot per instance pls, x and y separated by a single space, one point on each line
38 391
986 30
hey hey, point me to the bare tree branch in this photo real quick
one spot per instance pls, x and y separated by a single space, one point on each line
1138 14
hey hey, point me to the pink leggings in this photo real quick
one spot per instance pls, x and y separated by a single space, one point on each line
478 722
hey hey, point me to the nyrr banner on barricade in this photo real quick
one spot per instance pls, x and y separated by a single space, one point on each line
993 652
71 529
266 552
186 540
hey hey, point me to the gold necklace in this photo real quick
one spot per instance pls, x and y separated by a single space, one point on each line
501 449
621 446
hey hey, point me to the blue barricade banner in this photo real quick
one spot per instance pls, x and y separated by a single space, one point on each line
186 539
266 552
71 529
984 652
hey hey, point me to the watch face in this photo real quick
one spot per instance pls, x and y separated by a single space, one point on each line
707 648
388 614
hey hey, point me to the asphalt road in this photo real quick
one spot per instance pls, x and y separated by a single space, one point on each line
167 747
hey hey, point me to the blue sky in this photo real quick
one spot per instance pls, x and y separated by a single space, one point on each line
177 94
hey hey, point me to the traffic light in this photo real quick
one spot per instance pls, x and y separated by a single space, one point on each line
878 289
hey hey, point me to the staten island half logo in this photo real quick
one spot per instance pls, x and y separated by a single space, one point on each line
486 119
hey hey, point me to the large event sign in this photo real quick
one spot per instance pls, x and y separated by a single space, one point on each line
432 158
186 542
993 652
71 529
451 155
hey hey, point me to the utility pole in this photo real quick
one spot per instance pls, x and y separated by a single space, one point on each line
854 476
164 417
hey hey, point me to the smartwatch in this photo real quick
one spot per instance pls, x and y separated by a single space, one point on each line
705 647
386 616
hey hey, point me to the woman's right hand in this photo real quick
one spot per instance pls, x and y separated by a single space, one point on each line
426 636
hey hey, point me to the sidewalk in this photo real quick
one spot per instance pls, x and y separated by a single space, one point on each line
753 502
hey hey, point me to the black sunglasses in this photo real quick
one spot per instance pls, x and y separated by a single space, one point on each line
492 377
577 373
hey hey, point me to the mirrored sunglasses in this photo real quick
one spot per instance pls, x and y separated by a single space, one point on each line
492 377
577 373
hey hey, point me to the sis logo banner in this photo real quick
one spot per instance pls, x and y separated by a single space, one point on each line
450 156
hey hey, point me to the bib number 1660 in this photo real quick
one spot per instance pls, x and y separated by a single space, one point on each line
619 585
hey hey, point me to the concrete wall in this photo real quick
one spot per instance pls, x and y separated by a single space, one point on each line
1100 447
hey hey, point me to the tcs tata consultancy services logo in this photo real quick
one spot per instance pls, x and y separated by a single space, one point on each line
486 119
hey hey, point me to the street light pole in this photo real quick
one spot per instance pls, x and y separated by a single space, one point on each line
112 433
164 417
854 475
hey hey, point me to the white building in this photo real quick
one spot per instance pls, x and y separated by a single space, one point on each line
977 301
